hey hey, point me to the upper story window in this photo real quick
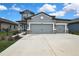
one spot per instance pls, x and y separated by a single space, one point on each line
25 15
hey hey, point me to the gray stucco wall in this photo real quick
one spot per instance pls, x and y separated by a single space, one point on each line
38 17
73 27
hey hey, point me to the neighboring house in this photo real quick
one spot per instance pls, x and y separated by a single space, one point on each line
74 25
42 23
7 24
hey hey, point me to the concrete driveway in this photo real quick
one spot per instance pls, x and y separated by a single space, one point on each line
45 45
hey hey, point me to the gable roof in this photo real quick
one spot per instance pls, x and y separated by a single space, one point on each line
49 16
38 14
2 20
53 17
45 14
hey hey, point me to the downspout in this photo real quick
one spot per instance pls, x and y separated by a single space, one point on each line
0 27
54 23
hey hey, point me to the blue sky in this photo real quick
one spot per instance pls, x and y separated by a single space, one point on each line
60 10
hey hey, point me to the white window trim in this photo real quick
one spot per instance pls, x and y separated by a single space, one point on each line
61 23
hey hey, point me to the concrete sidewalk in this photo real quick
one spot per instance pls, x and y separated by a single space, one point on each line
44 45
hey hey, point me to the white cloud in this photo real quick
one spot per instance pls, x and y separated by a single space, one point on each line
52 9
76 15
47 8
2 17
67 8
59 13
15 8
2 7
72 7
65 4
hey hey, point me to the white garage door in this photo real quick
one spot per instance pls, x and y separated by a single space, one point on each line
42 28
60 28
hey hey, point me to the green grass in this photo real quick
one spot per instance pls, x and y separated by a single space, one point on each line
5 44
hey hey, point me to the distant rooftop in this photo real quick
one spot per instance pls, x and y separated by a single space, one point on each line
27 11
2 20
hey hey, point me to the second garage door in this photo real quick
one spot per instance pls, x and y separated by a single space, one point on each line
41 28
60 28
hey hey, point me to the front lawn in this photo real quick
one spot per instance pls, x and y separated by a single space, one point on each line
5 44
6 40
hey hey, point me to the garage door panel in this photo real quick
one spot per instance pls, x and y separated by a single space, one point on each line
41 28
60 28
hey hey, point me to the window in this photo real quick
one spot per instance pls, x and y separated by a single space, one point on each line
29 15
10 26
25 15
14 26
